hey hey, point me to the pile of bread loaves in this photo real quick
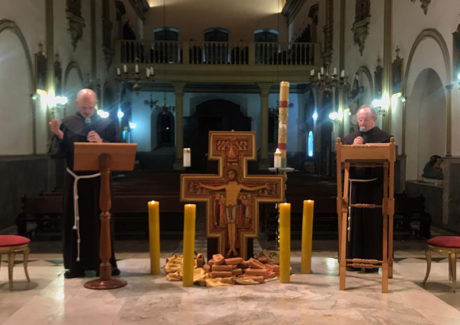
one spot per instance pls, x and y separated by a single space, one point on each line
221 271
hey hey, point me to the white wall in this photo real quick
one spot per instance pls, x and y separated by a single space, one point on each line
408 22
16 85
425 122
241 18
16 111
16 108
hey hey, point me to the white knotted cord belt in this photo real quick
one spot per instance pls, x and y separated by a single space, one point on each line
76 213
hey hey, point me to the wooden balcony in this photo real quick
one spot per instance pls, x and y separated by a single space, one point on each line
216 61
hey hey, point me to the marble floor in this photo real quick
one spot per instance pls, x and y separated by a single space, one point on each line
312 298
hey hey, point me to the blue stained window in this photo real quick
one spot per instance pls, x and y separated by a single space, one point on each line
310 144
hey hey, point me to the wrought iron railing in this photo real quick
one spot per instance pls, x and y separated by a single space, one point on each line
239 53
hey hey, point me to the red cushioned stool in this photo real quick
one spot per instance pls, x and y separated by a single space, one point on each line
12 245
449 245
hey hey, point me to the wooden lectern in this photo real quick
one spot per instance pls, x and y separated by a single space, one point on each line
105 157
367 155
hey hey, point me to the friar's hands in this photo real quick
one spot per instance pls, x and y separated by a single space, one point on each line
358 140
54 127
93 136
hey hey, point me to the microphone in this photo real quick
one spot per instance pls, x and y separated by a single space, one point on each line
362 130
88 124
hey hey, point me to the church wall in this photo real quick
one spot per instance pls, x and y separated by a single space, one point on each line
16 111
301 20
373 45
29 15
456 122
241 20
428 54
22 173
426 118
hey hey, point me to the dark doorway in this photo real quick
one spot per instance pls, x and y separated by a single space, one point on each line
211 115
165 128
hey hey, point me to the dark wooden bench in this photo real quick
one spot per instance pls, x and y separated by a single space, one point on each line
410 216
43 213
40 214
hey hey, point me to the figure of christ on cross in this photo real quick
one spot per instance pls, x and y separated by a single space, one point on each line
232 191
232 196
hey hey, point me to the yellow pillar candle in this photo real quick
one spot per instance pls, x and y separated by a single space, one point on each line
189 244
154 236
285 242
307 233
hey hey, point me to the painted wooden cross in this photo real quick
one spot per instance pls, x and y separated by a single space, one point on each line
232 197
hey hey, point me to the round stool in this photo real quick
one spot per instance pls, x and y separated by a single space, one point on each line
12 245
449 245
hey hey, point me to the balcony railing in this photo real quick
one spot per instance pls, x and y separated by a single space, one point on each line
240 53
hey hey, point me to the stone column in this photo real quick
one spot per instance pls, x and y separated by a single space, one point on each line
341 67
49 15
387 85
179 130
94 47
264 91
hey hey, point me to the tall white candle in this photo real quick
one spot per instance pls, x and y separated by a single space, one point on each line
136 68
342 74
118 71
312 72
125 68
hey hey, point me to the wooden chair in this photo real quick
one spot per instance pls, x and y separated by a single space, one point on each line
367 155
12 245
449 245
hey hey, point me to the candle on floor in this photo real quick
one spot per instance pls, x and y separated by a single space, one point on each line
154 236
285 242
307 233
189 244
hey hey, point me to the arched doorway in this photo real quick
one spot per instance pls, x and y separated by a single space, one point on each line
211 115
425 122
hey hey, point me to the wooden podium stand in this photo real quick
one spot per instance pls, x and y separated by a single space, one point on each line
104 157
367 155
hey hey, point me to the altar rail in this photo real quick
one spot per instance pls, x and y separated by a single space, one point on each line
233 53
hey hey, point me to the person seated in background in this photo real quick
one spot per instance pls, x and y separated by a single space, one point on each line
433 168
